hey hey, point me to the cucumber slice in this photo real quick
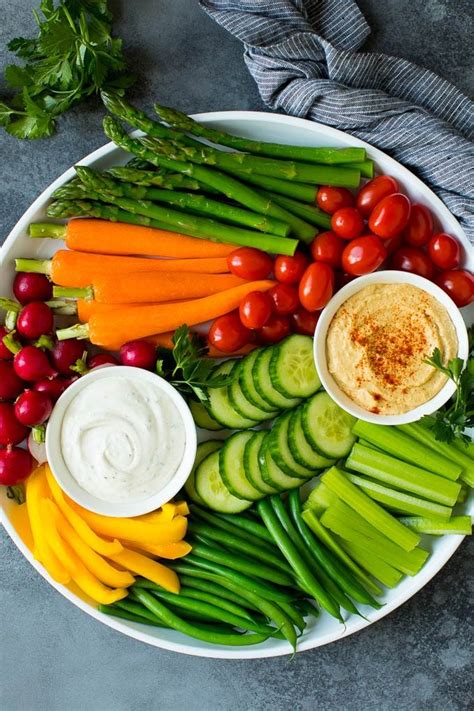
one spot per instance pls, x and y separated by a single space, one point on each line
247 384
292 369
327 426
280 451
242 405
299 446
264 385
232 467
271 472
203 450
220 407
211 488
202 418
252 468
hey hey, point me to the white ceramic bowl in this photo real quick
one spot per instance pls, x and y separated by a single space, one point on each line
69 484
320 352
280 129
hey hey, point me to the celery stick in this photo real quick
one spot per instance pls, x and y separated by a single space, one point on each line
391 440
374 565
352 529
387 524
319 499
330 542
463 494
398 500
466 448
460 525
402 475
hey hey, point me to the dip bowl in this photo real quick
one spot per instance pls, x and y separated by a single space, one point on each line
133 507
320 337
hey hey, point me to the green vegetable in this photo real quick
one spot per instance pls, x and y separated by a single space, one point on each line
298 191
246 527
381 571
150 178
73 56
460 525
310 214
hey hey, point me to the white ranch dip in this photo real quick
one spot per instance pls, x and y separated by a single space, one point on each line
122 439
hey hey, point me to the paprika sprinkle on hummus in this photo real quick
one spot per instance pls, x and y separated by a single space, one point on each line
378 342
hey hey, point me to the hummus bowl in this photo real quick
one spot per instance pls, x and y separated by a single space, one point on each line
446 308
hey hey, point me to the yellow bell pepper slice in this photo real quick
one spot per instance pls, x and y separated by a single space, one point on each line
171 551
21 523
76 568
150 569
90 537
182 508
97 565
36 488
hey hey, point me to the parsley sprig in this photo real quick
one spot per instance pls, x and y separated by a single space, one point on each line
73 56
451 421
187 367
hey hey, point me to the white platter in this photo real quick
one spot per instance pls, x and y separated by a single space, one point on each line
281 129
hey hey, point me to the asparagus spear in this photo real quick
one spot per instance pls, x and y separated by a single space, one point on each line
310 214
225 184
93 208
99 182
298 191
148 178
328 156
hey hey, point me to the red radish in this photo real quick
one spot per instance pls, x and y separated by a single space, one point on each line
34 320
139 354
15 465
32 287
32 364
36 449
11 431
52 387
101 359
10 384
66 353
33 408
5 353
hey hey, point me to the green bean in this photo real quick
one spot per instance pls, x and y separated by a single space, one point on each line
294 558
339 574
177 623
205 596
290 610
245 524
306 608
116 611
231 526
242 564
198 579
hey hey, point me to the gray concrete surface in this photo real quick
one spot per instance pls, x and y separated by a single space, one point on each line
55 658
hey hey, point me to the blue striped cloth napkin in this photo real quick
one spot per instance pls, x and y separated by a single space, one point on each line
303 56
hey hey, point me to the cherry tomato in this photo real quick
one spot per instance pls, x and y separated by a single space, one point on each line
459 284
391 244
255 309
420 226
285 298
390 216
444 251
249 263
363 255
316 286
347 223
304 322
276 328
289 270
331 199
414 260
228 334
373 192
327 247
341 279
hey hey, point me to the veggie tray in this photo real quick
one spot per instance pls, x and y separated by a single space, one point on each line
276 542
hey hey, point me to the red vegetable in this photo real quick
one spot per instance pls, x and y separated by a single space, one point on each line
15 465
255 309
53 387
363 255
331 199
33 408
444 251
29 287
250 263
11 431
304 322
289 270
328 247
5 353
32 364
10 384
284 298
390 216
228 334
101 359
34 320
347 223
373 192
66 353
316 286
459 284
414 260
420 226
139 354
276 328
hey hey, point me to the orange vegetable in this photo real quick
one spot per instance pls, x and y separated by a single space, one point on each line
150 569
112 329
104 237
71 268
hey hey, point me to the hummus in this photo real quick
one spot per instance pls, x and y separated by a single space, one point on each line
378 341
